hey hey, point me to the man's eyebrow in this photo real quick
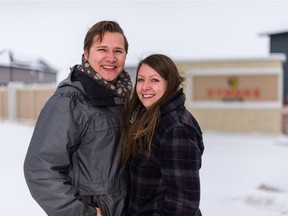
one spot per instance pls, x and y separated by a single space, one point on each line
103 46
119 48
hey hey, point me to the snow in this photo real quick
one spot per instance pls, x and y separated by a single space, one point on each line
242 174
245 174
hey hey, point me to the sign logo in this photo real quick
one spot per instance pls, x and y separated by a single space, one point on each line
233 81
233 91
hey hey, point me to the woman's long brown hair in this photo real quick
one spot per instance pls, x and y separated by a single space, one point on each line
140 123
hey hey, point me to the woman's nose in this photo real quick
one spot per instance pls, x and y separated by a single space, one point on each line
146 85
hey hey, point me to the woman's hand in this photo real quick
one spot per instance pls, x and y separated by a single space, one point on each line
98 212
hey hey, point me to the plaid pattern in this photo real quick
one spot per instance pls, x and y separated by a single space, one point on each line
166 182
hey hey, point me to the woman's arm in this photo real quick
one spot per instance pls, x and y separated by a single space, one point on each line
180 162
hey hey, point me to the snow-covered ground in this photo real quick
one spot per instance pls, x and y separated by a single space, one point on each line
242 174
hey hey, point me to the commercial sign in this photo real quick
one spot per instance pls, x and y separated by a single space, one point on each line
235 88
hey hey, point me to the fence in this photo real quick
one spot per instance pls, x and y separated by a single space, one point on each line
23 103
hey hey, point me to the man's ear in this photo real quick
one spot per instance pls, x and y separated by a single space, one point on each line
86 54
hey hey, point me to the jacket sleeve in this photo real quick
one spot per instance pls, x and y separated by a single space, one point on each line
47 161
180 162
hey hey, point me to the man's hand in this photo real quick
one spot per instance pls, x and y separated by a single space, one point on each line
98 212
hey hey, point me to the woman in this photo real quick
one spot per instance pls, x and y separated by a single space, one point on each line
72 166
162 143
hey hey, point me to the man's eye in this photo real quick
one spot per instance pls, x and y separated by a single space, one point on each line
119 51
101 50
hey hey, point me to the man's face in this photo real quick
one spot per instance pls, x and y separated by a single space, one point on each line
107 57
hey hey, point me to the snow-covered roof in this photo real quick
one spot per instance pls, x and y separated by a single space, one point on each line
274 32
10 59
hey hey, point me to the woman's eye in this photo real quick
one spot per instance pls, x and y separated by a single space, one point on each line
155 80
140 80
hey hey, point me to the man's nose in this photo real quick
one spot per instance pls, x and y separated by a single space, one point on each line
111 56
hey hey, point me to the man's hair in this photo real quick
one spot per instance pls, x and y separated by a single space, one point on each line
99 29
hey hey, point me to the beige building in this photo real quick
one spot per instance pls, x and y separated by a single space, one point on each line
225 95
236 95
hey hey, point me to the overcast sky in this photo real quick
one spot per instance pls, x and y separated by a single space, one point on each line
55 30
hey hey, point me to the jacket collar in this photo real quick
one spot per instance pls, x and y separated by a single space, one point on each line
176 101
95 92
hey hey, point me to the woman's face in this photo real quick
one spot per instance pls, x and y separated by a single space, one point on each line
107 57
150 85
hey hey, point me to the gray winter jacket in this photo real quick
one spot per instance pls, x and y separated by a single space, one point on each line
74 152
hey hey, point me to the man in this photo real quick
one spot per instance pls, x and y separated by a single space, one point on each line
72 165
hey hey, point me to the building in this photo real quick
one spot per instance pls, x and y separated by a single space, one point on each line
15 69
236 95
240 95
279 44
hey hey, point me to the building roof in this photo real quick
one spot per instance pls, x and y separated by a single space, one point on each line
274 32
10 59
270 57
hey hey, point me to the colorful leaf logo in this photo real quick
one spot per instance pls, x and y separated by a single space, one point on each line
233 81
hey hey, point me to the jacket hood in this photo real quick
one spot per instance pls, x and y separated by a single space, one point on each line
177 100
94 91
